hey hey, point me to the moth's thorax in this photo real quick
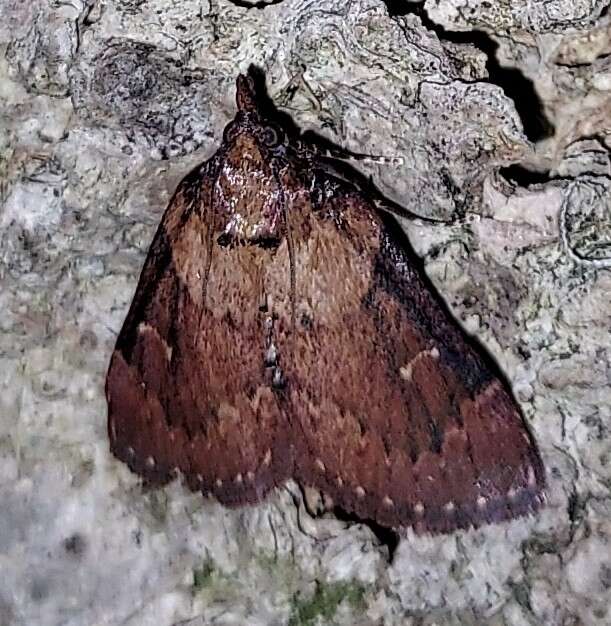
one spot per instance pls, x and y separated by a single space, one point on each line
247 194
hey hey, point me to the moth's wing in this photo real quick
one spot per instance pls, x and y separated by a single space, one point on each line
402 420
185 387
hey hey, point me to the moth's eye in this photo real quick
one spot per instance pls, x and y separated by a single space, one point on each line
231 132
270 137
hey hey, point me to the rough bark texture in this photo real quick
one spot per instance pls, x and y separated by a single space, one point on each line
500 112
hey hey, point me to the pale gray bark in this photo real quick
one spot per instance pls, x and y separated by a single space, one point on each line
105 105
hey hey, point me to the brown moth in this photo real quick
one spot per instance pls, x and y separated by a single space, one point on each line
280 330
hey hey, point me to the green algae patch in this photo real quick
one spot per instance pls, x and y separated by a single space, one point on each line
322 606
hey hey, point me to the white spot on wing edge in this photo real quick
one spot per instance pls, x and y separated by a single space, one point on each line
407 370
530 477
144 327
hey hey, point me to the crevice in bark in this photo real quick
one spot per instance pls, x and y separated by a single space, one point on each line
523 176
386 536
511 80
260 4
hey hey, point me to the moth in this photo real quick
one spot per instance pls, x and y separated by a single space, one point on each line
280 329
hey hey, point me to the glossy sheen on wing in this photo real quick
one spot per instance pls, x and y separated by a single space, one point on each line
280 330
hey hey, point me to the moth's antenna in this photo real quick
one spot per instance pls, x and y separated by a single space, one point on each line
343 154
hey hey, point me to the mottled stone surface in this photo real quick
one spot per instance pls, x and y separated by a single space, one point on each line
500 112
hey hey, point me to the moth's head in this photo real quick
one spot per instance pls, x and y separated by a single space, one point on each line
250 131
249 177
